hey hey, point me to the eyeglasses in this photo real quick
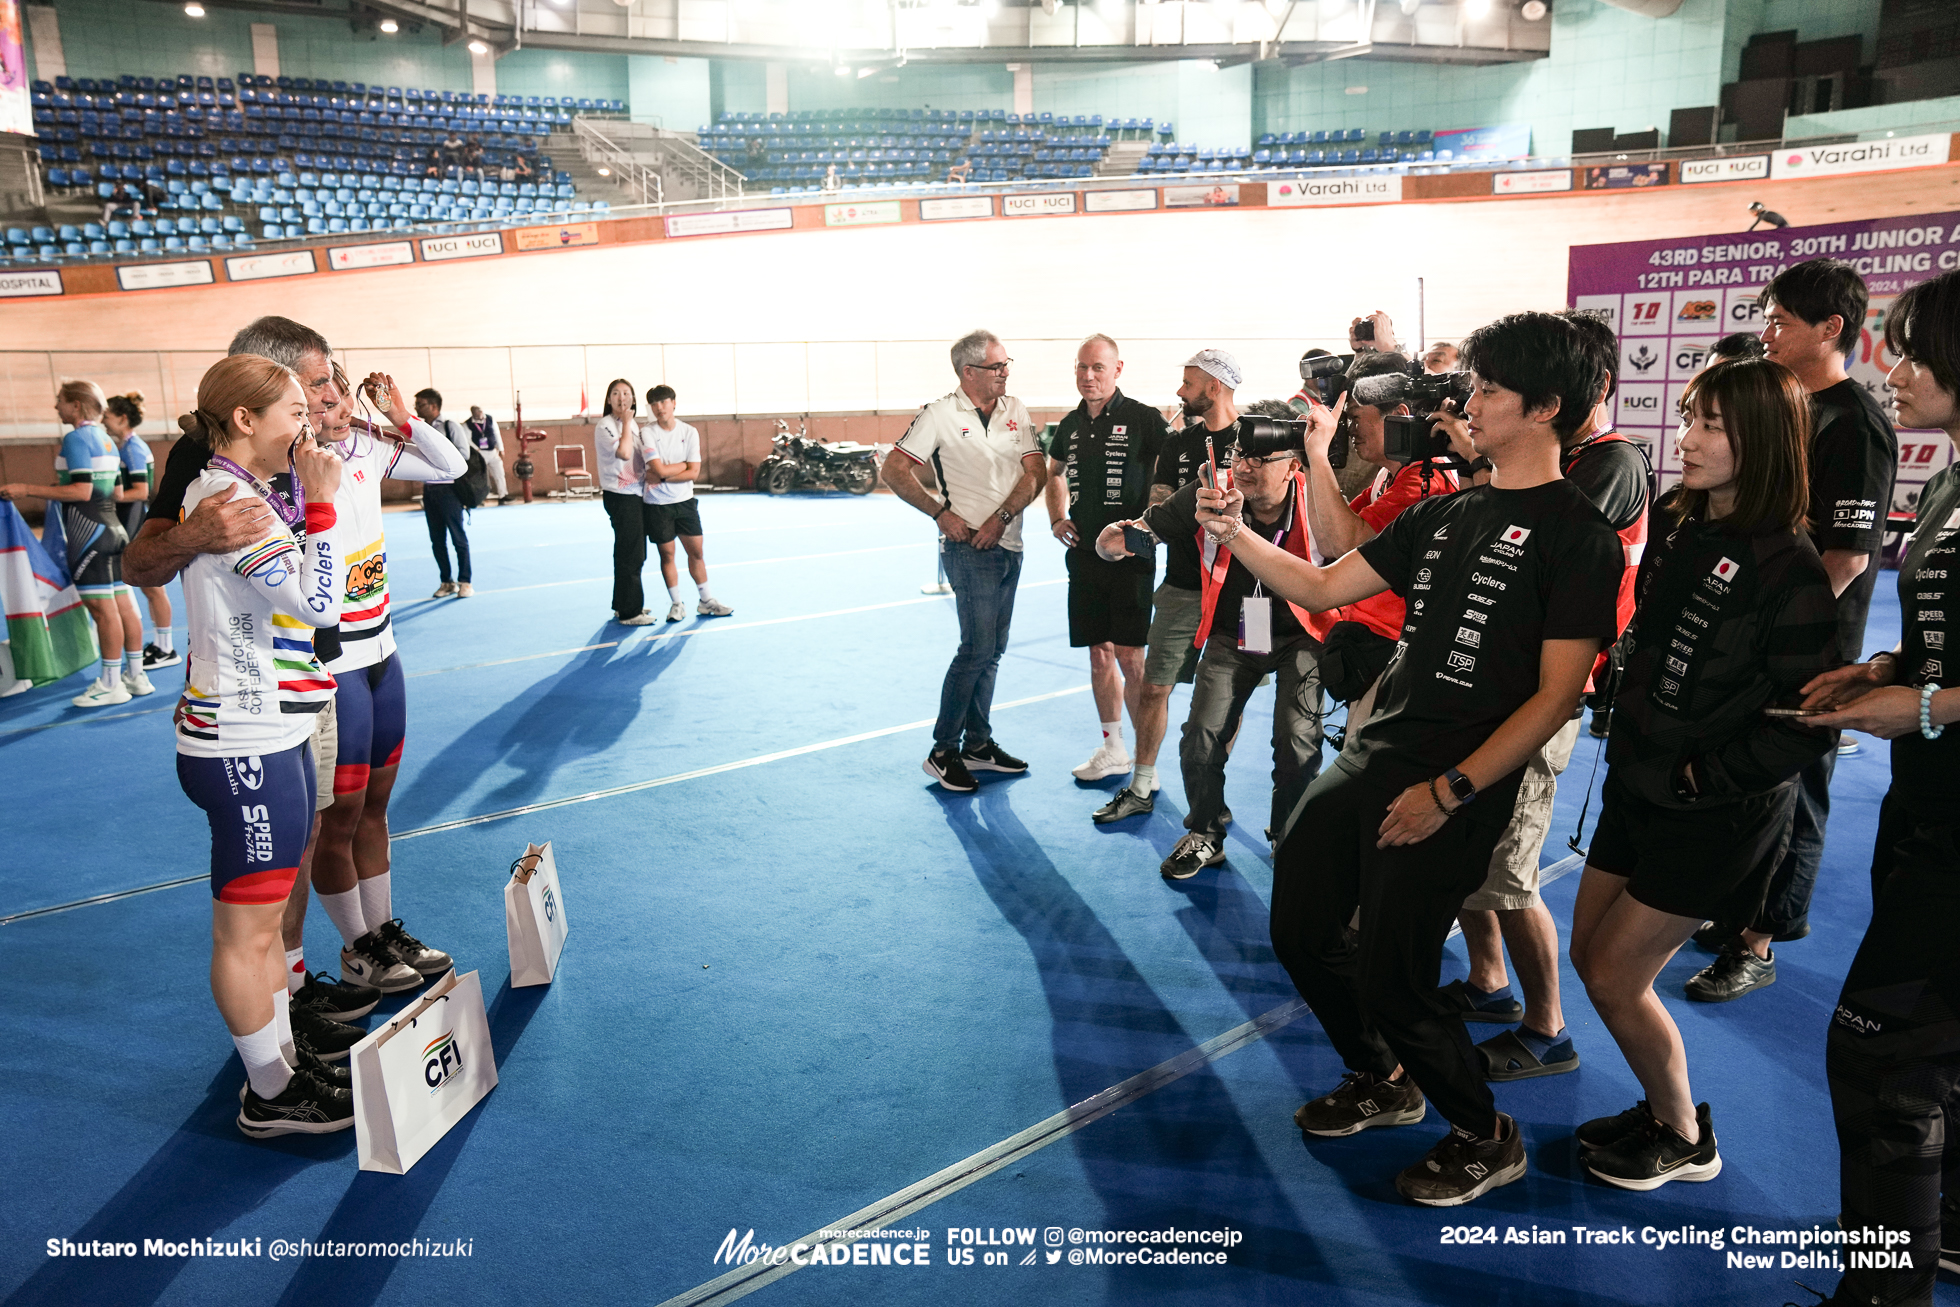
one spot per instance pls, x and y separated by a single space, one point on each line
1256 463
991 367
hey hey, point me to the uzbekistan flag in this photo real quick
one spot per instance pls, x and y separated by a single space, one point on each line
48 630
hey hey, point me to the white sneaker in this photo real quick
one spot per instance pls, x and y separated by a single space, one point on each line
99 695
677 612
137 683
1112 759
714 608
641 618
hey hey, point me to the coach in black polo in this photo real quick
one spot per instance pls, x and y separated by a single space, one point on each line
1099 471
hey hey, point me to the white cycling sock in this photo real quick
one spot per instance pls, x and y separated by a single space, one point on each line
265 1066
163 640
673 594
1113 733
282 1022
295 969
1143 780
344 909
377 903
702 586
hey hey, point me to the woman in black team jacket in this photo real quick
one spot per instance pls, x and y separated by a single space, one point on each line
1893 1054
1735 615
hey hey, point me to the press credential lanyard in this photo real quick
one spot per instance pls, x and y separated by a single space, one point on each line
292 514
1256 611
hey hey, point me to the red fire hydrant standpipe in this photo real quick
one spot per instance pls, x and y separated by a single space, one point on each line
523 467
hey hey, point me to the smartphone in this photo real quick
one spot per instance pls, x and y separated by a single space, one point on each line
1138 541
1794 712
1209 472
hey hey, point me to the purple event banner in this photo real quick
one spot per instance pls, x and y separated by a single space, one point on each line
1669 300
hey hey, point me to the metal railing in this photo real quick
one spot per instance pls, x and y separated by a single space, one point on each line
599 149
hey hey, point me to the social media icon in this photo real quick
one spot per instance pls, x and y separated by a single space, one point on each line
1054 1256
1052 1236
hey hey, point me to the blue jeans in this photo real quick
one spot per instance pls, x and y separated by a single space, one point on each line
984 581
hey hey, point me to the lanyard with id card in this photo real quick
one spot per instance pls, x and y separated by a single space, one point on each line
1256 615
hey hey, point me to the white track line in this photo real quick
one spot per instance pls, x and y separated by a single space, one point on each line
744 1280
747 562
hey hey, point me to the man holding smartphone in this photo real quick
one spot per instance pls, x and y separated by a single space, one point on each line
1099 469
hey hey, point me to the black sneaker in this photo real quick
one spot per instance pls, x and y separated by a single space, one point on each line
991 757
1127 803
1600 726
322 1036
370 961
1461 1168
335 998
338 1077
412 951
944 766
1656 1153
155 656
1193 853
1503 1011
1362 1099
307 1106
1734 973
1605 1131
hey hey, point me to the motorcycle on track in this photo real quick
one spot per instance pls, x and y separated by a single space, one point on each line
799 463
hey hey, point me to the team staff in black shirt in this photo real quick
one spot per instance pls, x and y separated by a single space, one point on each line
1735 615
1510 591
1893 1055
1100 467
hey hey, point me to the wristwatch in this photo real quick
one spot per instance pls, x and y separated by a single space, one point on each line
1460 786
1006 518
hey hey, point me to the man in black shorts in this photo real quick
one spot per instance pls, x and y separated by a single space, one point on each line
1814 315
1099 469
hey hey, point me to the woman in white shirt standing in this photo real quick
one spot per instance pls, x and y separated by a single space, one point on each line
251 688
620 446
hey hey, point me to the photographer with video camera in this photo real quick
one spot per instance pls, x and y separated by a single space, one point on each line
1245 635
1507 912
1511 589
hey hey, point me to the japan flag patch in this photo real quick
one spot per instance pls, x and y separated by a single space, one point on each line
1515 535
1726 569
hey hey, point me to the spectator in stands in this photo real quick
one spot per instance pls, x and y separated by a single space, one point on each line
432 166
832 183
1440 358
473 158
758 155
484 435
520 167
440 505
958 174
123 205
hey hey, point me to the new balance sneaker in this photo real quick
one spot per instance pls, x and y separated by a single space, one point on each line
991 757
369 961
445 590
1606 1131
713 608
1111 758
307 1106
641 618
338 1077
1735 972
1193 853
155 656
1462 1168
1127 803
1362 1099
99 695
335 999
322 1036
428 961
137 683
1655 1153
677 612
944 766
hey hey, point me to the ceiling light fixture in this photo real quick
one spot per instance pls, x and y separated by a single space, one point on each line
194 9
1533 11
478 47
1476 8
390 26
605 172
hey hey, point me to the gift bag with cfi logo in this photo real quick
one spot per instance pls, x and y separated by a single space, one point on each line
534 917
421 1073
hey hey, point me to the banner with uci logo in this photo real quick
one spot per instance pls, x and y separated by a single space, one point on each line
1669 300
421 1073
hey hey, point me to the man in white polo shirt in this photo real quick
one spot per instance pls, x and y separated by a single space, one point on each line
673 459
981 444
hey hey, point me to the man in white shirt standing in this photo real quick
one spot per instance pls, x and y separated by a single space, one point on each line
673 460
981 444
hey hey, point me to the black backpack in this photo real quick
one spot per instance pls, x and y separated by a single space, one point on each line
473 487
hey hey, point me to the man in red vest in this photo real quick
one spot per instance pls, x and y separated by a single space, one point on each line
1246 634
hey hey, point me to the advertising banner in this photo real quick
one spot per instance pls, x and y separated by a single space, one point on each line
558 238
1736 168
861 215
156 276
1669 300
437 248
385 254
1304 191
957 206
1531 183
1860 156
1201 197
42 281
258 267
1505 141
1119 201
1034 206
723 224
1621 176
16 105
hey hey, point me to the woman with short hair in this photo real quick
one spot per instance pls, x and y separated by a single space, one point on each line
1735 616
251 689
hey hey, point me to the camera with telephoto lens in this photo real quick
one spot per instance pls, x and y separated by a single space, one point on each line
1412 437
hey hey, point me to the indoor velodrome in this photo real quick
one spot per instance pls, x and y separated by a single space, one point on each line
827 1026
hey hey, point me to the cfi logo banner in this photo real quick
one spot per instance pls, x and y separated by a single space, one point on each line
1726 569
442 1061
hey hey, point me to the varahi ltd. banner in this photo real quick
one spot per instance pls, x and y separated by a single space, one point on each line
1669 300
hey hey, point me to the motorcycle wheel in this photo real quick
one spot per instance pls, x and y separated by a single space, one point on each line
779 480
861 480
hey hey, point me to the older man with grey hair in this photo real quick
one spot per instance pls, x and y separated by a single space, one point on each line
988 465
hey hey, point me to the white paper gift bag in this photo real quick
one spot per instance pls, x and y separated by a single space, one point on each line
534 917
421 1073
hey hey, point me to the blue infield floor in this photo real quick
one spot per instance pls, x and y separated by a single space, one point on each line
801 984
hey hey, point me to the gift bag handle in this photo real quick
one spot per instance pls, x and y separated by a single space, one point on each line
523 876
395 1025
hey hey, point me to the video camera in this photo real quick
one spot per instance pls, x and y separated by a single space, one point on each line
1262 437
1412 437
